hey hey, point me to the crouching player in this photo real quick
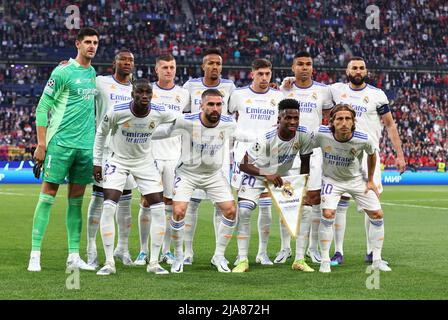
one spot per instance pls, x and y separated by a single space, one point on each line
130 126
270 158
342 148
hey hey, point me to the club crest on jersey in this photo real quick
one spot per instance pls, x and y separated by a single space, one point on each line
177 99
248 101
327 149
287 190
353 152
291 95
113 86
221 135
152 125
126 125
314 95
256 147
296 146
154 96
106 118
366 99
344 96
273 103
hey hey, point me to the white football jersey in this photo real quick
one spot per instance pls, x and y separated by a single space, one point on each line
110 93
342 161
369 103
130 135
175 100
196 87
257 113
276 156
313 100
203 148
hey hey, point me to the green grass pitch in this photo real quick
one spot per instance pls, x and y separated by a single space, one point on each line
416 222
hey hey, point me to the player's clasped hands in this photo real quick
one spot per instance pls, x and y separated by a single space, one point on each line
275 179
370 185
97 173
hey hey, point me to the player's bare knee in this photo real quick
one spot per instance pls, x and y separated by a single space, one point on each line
376 215
229 213
328 213
313 197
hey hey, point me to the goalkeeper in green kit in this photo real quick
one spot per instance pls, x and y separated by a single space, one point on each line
65 145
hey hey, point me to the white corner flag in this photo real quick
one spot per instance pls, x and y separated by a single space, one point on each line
289 199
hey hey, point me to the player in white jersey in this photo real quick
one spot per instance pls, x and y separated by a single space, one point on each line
112 89
256 111
372 111
343 148
130 126
268 159
204 137
212 67
315 105
166 153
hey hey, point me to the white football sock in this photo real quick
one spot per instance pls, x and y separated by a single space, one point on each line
264 224
376 237
225 232
325 237
177 237
314 227
245 208
191 221
367 227
93 219
144 225
107 225
157 230
339 225
304 233
124 219
166 246
217 214
284 236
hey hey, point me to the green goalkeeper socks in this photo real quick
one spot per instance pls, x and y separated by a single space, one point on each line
40 220
74 223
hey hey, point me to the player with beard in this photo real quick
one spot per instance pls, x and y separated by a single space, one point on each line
372 109
212 67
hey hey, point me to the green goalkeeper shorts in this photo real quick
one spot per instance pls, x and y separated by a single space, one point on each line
74 164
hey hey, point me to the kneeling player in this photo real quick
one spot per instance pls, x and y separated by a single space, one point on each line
342 148
270 158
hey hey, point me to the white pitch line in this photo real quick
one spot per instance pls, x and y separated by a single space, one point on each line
412 206
422 200
12 194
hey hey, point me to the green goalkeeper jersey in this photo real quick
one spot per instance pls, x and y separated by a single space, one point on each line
69 97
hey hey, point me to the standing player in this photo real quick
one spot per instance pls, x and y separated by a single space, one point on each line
343 148
212 67
130 126
268 159
256 109
315 104
204 136
166 153
372 109
112 89
65 148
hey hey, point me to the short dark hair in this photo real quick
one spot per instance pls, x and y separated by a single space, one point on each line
211 92
356 58
139 81
122 51
212 51
302 54
288 104
85 32
341 107
261 63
